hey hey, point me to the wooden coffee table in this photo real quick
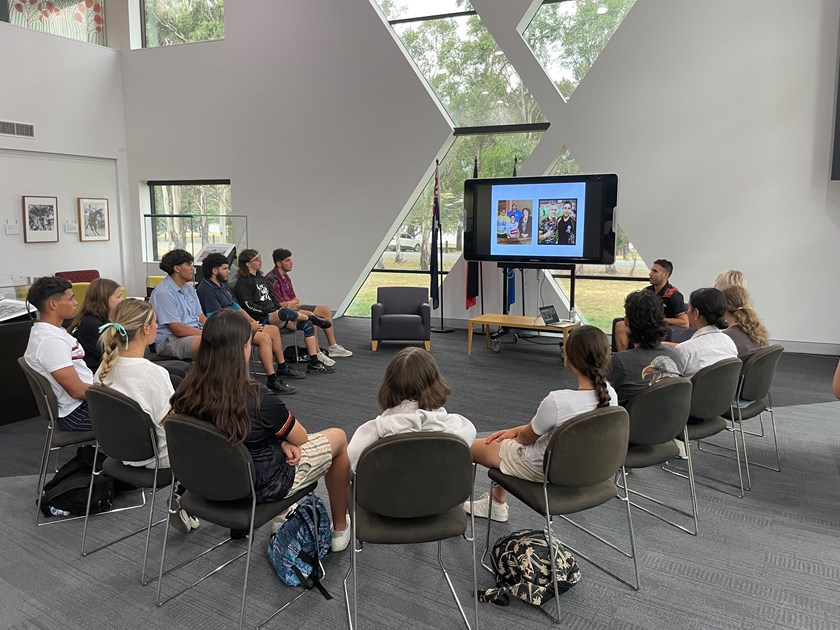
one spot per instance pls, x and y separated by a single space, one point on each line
522 322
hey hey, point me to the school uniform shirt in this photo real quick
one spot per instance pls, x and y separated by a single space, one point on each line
706 347
407 417
555 409
51 348
174 304
150 387
742 340
271 423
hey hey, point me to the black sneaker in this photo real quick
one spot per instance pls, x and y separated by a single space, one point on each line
320 322
319 368
286 372
280 387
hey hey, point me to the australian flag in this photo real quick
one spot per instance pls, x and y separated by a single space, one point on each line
434 288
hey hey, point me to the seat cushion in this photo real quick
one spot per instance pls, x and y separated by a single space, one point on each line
650 455
237 514
383 530
697 430
401 327
561 500
69 438
137 476
750 411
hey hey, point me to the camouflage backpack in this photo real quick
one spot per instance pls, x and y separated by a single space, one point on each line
523 568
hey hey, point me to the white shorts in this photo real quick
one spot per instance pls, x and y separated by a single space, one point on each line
315 461
512 454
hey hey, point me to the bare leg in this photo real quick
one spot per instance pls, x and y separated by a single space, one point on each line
622 341
311 343
488 456
338 477
324 312
276 342
263 343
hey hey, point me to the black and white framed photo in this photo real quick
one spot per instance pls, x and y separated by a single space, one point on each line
94 224
40 219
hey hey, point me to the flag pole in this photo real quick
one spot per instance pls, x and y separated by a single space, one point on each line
436 228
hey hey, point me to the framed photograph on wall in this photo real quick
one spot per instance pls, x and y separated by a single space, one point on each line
40 219
94 224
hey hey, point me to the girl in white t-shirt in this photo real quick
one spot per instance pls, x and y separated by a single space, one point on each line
519 451
133 326
412 394
123 341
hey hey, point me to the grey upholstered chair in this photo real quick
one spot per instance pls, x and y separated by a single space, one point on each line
757 376
124 432
219 479
713 390
401 314
580 463
56 438
410 488
658 415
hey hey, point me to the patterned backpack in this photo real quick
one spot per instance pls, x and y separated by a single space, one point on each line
523 568
291 549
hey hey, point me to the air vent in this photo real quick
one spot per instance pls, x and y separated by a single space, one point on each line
17 129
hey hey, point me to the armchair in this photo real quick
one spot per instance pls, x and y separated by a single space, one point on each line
401 314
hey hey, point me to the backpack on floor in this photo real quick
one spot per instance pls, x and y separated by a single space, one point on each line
523 568
291 550
67 491
291 356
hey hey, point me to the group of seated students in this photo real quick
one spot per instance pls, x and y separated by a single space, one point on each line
219 388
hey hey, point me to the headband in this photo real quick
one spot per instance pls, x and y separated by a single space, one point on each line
118 327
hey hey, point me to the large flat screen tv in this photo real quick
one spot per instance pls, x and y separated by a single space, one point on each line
551 220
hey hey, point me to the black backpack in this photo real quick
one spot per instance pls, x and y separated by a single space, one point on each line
291 356
523 568
68 489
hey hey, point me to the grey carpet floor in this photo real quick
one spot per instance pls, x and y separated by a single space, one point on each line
770 560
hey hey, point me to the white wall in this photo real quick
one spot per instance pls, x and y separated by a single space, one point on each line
72 93
312 112
718 118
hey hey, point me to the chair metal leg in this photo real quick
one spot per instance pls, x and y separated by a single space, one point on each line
626 500
471 537
42 474
451 587
487 540
550 533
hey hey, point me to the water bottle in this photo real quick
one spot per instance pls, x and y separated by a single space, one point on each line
572 314
56 512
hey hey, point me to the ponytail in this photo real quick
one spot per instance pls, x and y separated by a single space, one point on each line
589 352
128 320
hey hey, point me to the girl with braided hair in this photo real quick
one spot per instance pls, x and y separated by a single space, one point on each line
520 451
132 327
745 327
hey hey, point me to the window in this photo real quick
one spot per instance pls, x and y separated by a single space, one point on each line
188 215
172 22
83 20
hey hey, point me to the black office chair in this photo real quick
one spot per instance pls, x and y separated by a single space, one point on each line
713 390
125 432
219 479
56 438
580 463
410 488
658 415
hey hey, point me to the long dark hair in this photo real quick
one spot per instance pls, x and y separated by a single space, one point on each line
216 389
589 352
711 304
96 302
246 256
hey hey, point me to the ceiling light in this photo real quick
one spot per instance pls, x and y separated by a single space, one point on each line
601 9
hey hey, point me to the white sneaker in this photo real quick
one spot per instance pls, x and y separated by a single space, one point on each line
681 445
481 507
337 350
341 539
323 358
